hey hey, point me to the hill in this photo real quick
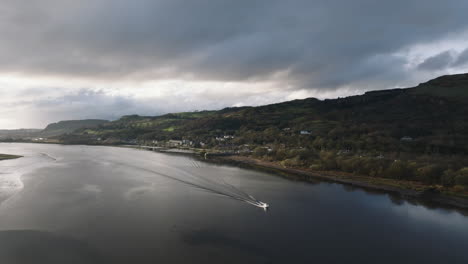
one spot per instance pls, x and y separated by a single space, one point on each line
446 86
68 126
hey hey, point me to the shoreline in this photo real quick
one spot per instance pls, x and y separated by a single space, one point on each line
425 194
411 191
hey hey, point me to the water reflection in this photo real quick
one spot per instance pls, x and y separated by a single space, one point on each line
213 238
91 210
29 246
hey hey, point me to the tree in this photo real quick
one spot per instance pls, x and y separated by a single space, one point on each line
399 170
430 174
260 152
328 160
462 177
448 177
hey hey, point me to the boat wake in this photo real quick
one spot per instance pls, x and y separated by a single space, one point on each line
216 186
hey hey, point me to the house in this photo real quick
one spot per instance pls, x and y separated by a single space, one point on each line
305 132
344 151
175 143
406 138
187 142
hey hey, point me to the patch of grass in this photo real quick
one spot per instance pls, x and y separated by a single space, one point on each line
194 115
169 129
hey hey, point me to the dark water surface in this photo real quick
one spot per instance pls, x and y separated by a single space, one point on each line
83 204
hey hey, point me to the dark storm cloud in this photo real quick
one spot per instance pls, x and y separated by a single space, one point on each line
437 62
317 44
86 103
462 58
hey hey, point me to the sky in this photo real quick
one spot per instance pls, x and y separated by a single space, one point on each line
68 59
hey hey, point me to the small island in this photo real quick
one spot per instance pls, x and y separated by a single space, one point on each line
7 156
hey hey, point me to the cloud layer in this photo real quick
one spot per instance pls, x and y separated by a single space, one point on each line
332 47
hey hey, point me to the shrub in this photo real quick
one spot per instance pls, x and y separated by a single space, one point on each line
399 170
328 160
316 167
448 178
462 177
430 174
260 151
294 162
280 154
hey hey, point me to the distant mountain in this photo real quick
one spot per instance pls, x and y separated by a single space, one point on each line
64 127
19 133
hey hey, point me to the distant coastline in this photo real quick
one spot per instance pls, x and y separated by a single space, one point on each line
404 189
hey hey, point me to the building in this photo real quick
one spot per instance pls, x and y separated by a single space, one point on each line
305 132
175 143
406 138
187 142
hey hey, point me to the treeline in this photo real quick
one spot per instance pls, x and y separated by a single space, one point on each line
434 170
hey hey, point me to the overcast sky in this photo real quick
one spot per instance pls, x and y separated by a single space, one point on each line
69 59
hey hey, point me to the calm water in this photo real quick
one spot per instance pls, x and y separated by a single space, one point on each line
82 204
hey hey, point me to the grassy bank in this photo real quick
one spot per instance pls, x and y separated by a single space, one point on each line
6 156
407 189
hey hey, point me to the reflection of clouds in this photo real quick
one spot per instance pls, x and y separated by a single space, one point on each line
137 192
441 217
88 192
29 246
214 238
10 183
13 170
90 188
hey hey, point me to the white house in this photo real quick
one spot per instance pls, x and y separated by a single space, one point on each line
173 142
406 138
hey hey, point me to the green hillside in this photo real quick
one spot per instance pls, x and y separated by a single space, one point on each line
64 127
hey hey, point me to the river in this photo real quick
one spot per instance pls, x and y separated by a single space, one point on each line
89 204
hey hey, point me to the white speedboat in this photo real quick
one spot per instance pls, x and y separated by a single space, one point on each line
263 205
258 204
